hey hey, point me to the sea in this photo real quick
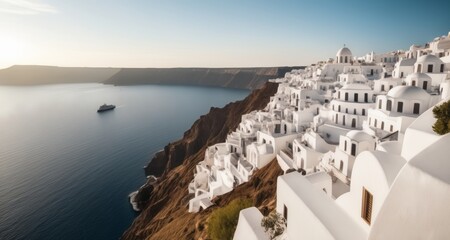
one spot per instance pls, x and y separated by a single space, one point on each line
66 171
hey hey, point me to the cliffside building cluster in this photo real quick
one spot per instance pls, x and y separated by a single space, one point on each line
354 138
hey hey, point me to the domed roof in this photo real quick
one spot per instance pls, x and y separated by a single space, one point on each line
429 59
413 47
344 52
359 136
355 86
418 76
408 93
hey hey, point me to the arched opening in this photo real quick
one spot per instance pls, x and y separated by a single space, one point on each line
419 68
382 125
364 112
339 94
413 83
382 88
375 123
345 146
379 104
356 97
346 96
366 97
416 109
353 149
345 59
354 111
353 123
389 105
341 166
343 120
336 118
339 108
391 128
425 85
400 107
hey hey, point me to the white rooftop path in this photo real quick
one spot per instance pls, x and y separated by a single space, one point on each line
311 213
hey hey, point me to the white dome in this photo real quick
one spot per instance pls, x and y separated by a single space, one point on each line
408 93
429 59
344 52
418 76
355 86
359 136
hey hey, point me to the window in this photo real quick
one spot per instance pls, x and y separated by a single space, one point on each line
375 123
346 96
343 120
345 59
379 104
416 108
353 149
332 107
339 108
390 87
391 128
336 118
367 202
425 85
400 107
356 97
382 88
353 123
340 59
339 94
442 68
354 111
389 105
413 83
341 166
364 113
366 97
285 213
382 125
401 74
345 146
430 68
370 120
419 68
346 110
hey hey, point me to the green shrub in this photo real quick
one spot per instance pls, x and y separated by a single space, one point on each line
442 115
274 224
223 221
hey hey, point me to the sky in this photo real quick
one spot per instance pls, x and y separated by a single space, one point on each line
209 33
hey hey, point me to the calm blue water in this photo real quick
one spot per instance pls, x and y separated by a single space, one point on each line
66 171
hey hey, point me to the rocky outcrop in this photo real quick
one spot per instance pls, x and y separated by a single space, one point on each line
165 202
243 78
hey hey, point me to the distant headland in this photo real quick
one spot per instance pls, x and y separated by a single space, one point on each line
242 78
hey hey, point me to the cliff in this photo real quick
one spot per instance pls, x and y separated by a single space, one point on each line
243 78
165 202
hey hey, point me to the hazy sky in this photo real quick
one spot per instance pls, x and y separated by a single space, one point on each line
209 33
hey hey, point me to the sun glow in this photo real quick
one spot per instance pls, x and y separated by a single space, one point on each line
11 51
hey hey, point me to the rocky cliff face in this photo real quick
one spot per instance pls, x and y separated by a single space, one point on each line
243 78
165 202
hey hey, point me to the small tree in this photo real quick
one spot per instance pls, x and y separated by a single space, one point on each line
223 221
274 224
442 115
